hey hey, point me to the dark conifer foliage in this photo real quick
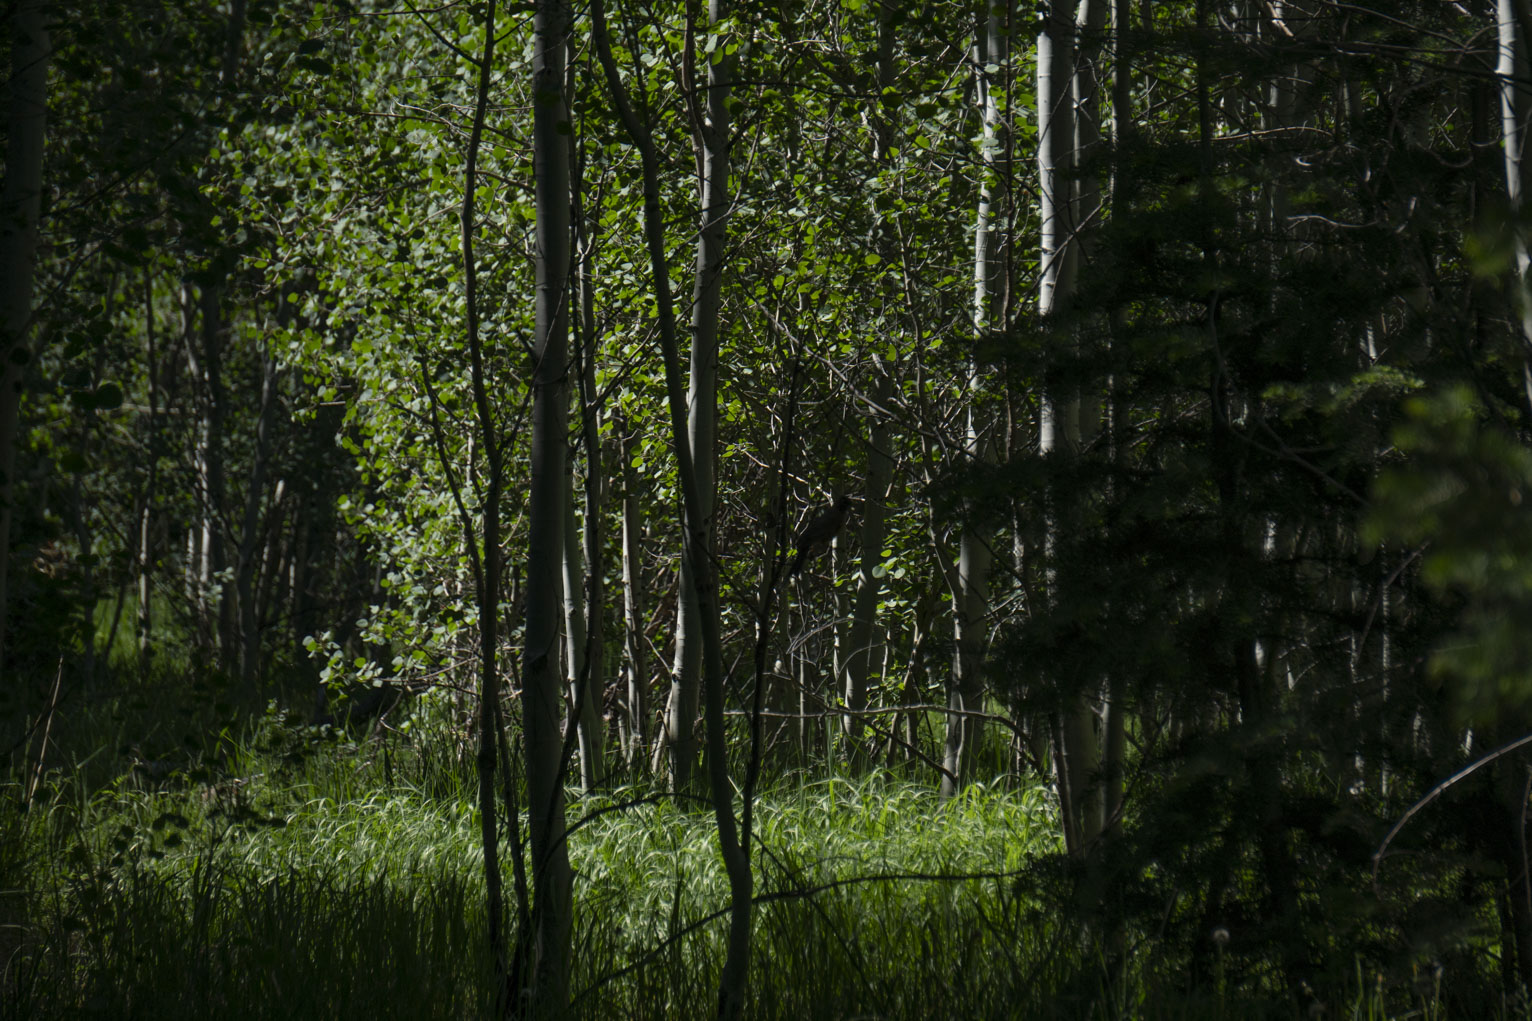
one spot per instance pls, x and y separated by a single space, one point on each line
1252 314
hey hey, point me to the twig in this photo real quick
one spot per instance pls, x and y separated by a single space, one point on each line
42 750
1436 792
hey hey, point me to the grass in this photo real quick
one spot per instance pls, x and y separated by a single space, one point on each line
887 931
277 873
277 870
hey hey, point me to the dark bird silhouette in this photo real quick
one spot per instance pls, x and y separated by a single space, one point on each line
822 527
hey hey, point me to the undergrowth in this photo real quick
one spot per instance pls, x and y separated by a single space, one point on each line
279 873
290 871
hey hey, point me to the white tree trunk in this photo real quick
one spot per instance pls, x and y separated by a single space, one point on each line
712 141
1075 752
970 581
584 686
1511 73
542 694
696 527
861 643
634 600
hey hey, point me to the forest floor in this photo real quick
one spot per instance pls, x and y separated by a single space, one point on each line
275 869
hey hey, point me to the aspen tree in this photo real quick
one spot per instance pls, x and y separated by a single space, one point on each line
542 692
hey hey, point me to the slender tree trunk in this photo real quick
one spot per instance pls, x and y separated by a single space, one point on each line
862 646
863 649
20 207
486 563
912 691
584 683
804 677
1075 752
232 641
1241 601
772 545
1511 73
250 538
696 526
145 563
711 131
191 569
584 585
275 549
965 693
593 747
1084 744
542 700
1055 149
233 44
970 595
1114 710
634 599
87 595
205 360
144 617
301 609
681 707
186 297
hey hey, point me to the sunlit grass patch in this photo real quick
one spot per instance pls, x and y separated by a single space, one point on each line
296 881
305 887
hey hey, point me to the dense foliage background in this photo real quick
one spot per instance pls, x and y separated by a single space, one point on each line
1092 521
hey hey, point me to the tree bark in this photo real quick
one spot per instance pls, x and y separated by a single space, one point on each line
585 568
584 681
144 622
204 353
862 645
542 700
711 138
1114 711
1055 148
1075 752
486 562
233 46
696 530
634 599
970 590
250 538
1511 73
